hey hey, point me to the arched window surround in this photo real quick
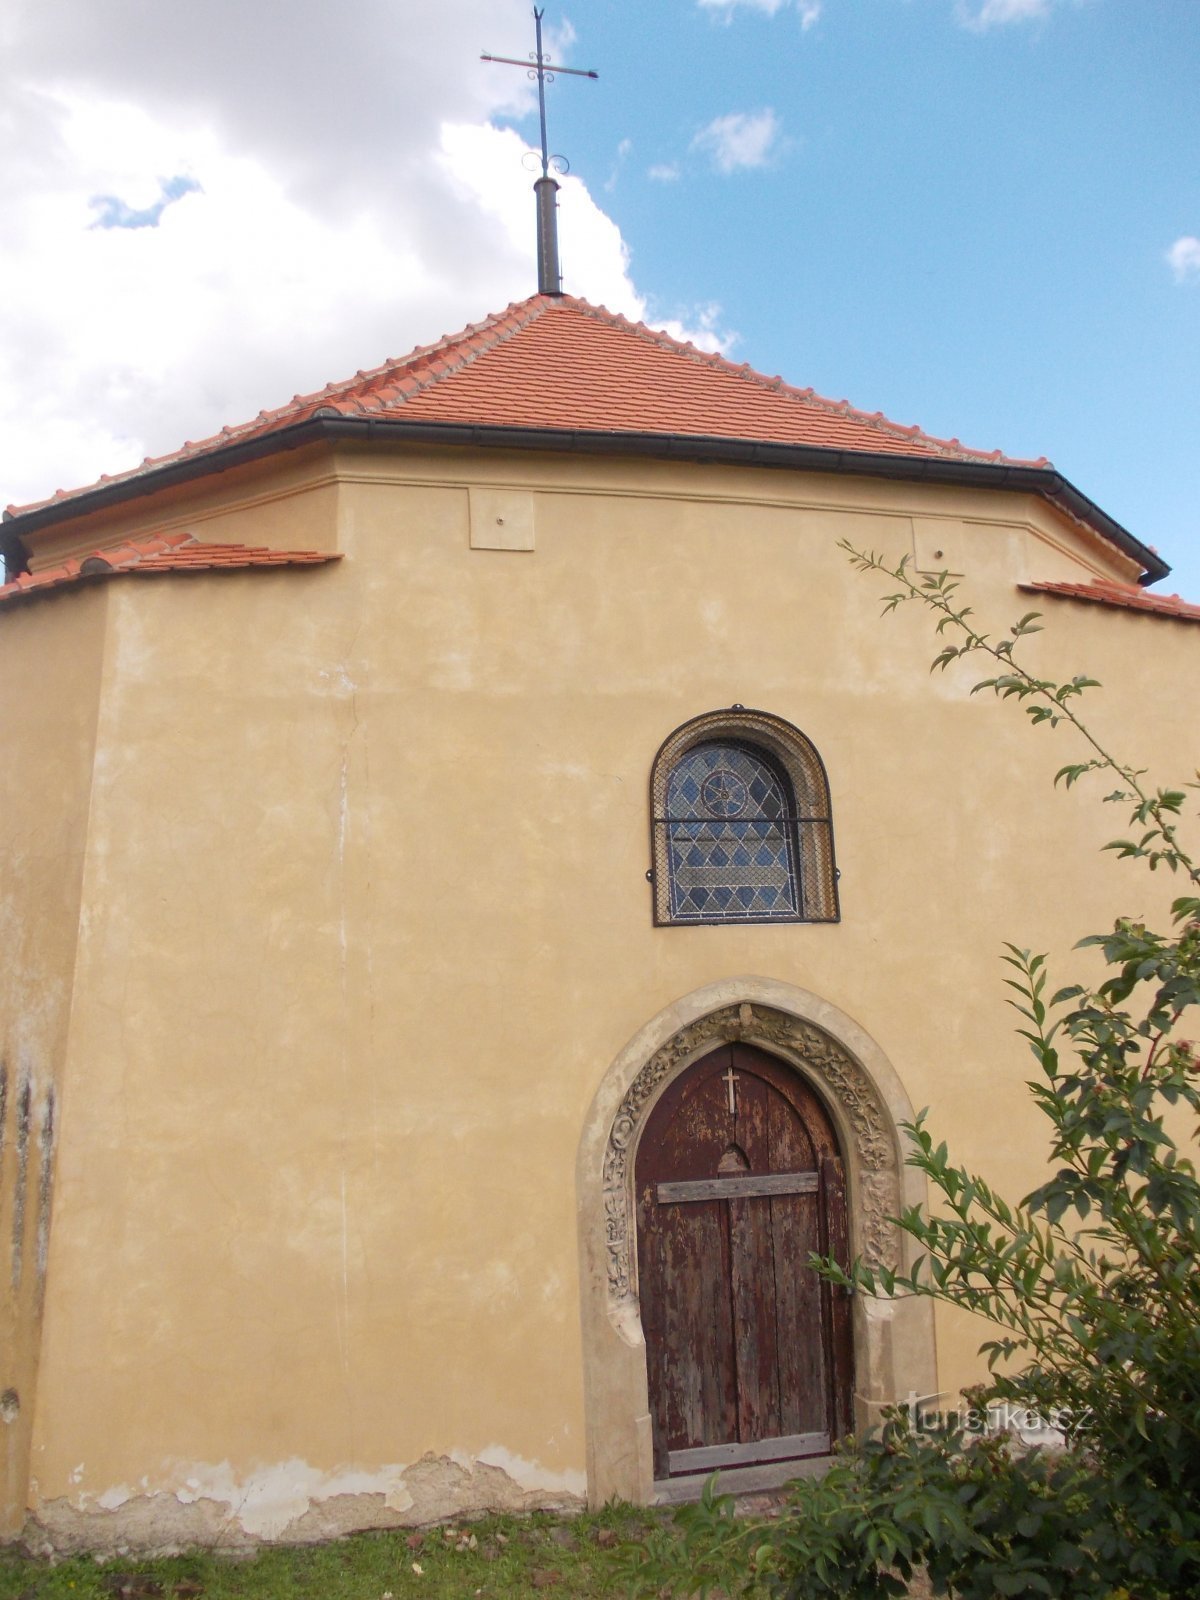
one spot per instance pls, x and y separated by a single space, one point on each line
793 757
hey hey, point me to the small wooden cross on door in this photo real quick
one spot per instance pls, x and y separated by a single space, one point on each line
730 1080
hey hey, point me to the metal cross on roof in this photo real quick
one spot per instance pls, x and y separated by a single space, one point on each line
539 66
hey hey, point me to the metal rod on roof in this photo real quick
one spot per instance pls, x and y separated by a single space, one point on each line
546 188
549 273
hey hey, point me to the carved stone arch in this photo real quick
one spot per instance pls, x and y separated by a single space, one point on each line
893 1340
857 1109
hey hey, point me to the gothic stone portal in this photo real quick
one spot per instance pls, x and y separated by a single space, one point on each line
738 1177
862 1096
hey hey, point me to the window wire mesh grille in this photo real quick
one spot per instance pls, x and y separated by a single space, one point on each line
740 823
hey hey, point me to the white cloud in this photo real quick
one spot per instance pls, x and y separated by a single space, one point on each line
118 342
808 10
770 7
624 151
485 167
663 171
701 329
984 14
741 139
1184 259
296 219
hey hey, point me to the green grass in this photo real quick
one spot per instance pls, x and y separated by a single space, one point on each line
496 1558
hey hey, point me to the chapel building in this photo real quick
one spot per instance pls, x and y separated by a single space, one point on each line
483 890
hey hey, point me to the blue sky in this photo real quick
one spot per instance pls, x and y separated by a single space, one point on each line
960 212
964 227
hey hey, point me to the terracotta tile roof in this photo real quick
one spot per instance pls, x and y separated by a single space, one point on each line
165 552
1107 592
556 362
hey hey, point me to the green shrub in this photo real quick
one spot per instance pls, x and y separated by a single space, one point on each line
980 1517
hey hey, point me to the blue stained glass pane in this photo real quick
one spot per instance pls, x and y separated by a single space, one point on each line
730 841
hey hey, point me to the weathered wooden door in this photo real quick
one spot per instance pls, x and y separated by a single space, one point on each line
738 1178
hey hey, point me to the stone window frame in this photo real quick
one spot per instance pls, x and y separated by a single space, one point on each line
759 733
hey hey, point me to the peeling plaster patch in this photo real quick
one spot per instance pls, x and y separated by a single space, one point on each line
297 1503
531 1475
272 1498
338 679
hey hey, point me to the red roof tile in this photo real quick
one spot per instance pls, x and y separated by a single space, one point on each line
164 552
556 362
1107 592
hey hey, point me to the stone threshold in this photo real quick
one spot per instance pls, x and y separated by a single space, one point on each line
739 1480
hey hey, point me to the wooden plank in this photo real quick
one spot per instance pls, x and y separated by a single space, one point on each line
733 1455
803 1362
697 1355
684 1268
752 1186
755 1332
795 1233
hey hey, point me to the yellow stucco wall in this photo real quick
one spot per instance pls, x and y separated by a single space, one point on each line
50 673
364 922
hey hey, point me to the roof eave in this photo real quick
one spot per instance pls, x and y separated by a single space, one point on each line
1046 482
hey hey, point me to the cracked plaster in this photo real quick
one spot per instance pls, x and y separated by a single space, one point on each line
295 1503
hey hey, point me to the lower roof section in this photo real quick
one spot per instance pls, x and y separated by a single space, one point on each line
155 555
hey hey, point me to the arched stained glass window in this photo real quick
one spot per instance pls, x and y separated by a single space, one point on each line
729 827
741 829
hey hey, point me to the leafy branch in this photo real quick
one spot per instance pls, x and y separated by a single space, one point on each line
1153 812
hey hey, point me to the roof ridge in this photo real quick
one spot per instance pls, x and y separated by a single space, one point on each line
779 385
300 402
473 341
295 407
420 354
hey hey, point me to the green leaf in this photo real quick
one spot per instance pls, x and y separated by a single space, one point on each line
1010 1582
